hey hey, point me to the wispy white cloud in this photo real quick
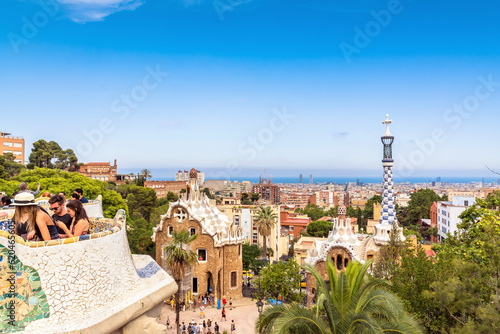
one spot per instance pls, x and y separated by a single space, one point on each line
96 10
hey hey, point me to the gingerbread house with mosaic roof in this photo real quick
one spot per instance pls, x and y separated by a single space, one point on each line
218 245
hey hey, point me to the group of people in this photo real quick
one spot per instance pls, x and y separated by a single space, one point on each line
32 222
204 327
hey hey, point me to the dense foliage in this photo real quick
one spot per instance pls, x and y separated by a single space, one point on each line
55 181
280 281
8 167
50 155
458 291
319 228
348 303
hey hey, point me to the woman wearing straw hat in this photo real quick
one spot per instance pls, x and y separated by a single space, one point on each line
31 220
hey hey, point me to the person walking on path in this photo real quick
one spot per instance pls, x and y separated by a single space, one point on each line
230 303
216 328
223 314
224 302
202 311
209 326
233 327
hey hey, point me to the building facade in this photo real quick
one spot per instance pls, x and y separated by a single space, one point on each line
269 193
14 145
184 176
102 171
218 245
448 212
163 187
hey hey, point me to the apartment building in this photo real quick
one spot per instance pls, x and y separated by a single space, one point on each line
448 212
163 187
14 145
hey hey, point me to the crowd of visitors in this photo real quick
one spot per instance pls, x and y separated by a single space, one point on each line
202 327
32 222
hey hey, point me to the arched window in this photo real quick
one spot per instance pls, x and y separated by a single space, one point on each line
339 262
346 262
192 230
170 229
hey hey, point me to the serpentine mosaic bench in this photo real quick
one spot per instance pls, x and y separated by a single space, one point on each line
87 284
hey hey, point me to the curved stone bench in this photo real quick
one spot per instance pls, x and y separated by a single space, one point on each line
93 208
86 284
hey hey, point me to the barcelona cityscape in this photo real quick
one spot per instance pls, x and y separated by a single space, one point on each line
249 167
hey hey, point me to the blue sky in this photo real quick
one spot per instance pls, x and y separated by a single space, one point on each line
175 84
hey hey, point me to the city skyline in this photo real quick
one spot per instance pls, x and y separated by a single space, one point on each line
247 89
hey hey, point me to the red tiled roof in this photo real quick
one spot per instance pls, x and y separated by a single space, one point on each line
430 253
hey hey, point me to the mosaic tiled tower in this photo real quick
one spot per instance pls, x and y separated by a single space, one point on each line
388 213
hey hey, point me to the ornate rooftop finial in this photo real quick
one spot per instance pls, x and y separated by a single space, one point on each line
193 173
387 121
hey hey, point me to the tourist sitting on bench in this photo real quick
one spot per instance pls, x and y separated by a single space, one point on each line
80 224
32 221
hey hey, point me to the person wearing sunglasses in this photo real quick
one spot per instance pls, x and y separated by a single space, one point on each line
60 213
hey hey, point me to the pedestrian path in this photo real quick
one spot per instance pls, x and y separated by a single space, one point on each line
244 314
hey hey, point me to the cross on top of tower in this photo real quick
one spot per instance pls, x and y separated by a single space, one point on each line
387 121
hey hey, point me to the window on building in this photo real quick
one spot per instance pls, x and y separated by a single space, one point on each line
234 279
202 255
7 144
7 152
18 145
170 229
291 228
466 203
192 230
18 161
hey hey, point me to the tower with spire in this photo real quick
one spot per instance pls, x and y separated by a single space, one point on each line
388 213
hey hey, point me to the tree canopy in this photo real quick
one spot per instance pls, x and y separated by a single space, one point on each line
319 228
419 206
50 155
8 167
280 281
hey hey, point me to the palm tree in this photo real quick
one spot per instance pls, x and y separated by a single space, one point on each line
265 219
146 174
350 303
178 257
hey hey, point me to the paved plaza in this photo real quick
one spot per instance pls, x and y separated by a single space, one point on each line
244 314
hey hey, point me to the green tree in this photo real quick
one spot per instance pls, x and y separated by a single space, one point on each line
265 219
250 253
146 174
280 281
8 167
254 197
141 200
368 211
419 206
313 211
319 228
51 155
350 303
245 200
177 259
55 181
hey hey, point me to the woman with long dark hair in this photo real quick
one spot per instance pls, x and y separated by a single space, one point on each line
30 220
80 224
